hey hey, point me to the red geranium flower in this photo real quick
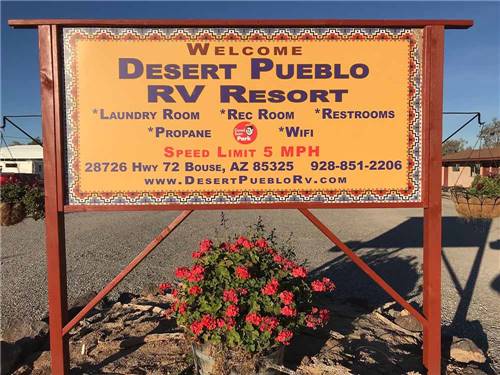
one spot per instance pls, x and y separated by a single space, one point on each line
205 245
242 272
196 327
286 297
278 258
194 290
262 243
299 272
270 288
329 285
182 308
230 296
288 311
209 322
284 336
268 324
253 318
317 318
232 311
164 286
196 273
325 285
243 241
317 286
182 272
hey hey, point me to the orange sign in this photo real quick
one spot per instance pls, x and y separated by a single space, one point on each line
158 116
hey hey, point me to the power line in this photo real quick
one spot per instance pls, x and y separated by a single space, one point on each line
7 119
476 115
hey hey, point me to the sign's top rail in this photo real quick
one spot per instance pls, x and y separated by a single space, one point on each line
392 23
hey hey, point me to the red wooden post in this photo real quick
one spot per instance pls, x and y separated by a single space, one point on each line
433 103
54 215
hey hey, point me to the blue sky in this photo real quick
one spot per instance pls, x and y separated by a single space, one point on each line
472 57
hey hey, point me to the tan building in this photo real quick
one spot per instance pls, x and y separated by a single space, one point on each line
25 159
460 168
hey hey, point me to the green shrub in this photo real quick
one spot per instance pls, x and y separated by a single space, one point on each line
34 201
12 193
485 186
31 196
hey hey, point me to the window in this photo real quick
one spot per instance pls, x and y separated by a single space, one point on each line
10 165
475 169
456 168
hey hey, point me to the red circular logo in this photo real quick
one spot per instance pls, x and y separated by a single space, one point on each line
245 132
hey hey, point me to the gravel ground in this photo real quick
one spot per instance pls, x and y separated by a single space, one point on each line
99 245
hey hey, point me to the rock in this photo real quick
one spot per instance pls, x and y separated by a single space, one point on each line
404 312
465 351
80 303
21 339
452 369
9 354
20 329
408 322
323 369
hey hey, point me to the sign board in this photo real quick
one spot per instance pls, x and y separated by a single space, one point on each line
242 115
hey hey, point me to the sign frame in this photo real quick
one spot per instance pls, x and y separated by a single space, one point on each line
49 32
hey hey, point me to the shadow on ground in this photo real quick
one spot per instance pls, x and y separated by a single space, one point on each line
403 273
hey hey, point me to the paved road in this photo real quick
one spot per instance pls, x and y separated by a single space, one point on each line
100 244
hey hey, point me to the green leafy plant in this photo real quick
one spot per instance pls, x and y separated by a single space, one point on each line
247 292
483 187
34 201
31 196
12 193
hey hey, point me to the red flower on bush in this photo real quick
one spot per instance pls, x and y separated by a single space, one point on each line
268 324
262 243
317 318
325 285
242 272
243 241
182 308
196 273
286 297
284 337
209 322
182 272
205 246
299 272
253 318
288 311
278 258
195 290
196 327
270 288
164 287
230 296
232 311
230 323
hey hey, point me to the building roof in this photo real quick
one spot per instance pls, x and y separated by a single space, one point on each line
21 152
484 154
